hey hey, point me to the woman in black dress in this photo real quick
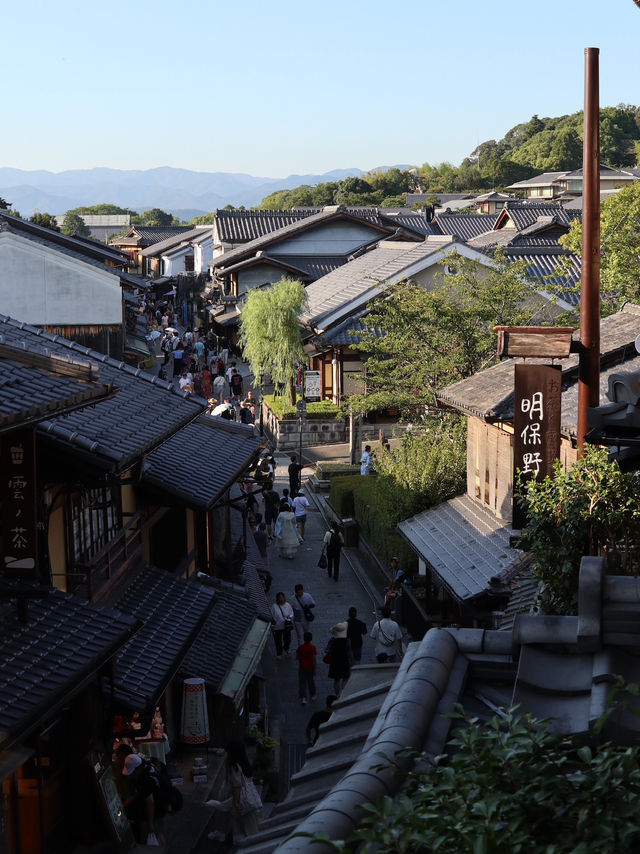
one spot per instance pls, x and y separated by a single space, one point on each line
340 664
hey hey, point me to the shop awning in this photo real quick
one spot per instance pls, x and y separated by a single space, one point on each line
464 544
226 318
245 662
137 346
229 647
52 656
202 460
172 611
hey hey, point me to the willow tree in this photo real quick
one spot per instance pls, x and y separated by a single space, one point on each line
270 332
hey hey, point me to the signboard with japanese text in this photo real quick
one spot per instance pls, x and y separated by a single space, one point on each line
19 508
312 389
536 426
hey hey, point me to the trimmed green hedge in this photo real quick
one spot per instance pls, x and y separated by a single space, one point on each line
327 470
283 409
359 496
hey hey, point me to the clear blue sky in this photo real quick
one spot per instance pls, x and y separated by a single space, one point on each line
273 88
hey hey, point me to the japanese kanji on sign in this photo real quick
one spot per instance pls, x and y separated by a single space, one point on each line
536 425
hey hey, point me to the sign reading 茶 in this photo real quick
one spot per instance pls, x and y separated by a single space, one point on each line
536 426
18 500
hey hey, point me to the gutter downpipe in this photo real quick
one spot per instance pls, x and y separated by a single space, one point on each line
589 360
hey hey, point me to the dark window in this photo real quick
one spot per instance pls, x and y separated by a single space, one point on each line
94 518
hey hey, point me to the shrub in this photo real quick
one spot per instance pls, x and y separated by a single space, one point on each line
592 508
326 471
281 407
341 494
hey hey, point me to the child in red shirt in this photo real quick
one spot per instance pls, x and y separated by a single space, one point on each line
306 655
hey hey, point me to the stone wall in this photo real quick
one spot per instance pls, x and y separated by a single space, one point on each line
285 435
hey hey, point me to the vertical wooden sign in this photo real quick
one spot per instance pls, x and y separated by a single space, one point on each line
19 504
536 426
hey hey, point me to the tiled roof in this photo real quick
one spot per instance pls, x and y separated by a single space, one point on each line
325 215
172 611
489 393
177 240
546 179
41 388
362 278
87 249
525 213
63 642
253 564
243 226
219 639
145 235
116 432
408 219
464 543
464 225
201 460
348 333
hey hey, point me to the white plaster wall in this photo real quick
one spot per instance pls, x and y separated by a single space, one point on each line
255 276
45 287
336 238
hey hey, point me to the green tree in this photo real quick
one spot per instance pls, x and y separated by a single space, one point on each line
4 204
620 247
45 220
508 786
270 332
156 217
566 151
74 224
102 209
418 340
591 509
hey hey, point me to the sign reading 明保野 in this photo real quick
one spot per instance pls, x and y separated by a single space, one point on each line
536 426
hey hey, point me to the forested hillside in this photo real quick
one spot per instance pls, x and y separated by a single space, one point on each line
539 145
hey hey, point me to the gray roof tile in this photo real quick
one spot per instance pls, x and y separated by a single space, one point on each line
119 430
179 467
172 611
43 660
463 542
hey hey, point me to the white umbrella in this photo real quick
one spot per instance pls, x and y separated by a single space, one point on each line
171 329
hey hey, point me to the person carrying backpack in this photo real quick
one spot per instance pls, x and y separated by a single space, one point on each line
332 546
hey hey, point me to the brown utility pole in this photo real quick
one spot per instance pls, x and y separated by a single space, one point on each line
589 371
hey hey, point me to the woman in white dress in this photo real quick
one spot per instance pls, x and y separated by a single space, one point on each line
285 532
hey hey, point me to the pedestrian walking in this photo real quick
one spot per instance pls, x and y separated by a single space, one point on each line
332 546
300 507
282 624
387 635
355 632
271 507
366 461
286 533
235 384
262 538
337 653
303 604
238 813
293 470
219 388
306 655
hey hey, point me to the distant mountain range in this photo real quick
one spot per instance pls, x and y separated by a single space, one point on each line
180 191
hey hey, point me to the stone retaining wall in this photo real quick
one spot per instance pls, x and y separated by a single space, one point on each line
284 434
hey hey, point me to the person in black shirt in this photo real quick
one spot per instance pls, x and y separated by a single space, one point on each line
318 718
355 633
271 506
294 470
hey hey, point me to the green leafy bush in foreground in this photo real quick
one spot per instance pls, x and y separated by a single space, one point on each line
281 407
509 786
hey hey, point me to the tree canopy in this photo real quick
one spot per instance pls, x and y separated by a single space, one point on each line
46 220
270 332
418 340
157 217
378 189
620 247
74 224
